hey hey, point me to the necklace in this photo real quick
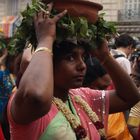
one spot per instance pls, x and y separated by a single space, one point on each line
74 122
91 114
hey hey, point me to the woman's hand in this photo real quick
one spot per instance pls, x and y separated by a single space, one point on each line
101 51
46 26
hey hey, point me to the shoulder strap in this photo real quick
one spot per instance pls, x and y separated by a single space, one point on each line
118 55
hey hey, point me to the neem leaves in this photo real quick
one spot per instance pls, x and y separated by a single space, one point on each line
67 27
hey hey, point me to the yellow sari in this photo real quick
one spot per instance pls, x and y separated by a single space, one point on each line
134 117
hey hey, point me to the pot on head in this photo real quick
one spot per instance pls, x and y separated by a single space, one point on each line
79 8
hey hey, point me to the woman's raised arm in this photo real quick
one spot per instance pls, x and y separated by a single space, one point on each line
34 94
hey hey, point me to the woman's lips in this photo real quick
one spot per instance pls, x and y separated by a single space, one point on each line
79 77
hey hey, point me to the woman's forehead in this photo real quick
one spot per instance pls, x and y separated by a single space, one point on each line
64 48
78 50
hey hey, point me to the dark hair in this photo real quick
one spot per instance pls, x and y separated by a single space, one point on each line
125 40
94 71
135 55
60 49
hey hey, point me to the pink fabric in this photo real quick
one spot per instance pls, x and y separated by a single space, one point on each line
93 98
31 131
34 130
111 87
1 134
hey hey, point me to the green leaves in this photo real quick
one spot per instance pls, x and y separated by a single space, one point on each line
2 44
84 27
67 27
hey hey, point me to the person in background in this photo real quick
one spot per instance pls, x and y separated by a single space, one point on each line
135 65
14 66
97 78
125 45
134 116
7 83
51 104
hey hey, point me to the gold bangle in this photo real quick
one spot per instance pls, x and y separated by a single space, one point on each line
106 59
44 49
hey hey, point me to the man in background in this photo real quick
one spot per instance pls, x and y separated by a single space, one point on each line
125 45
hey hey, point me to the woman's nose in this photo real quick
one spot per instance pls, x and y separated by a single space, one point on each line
81 65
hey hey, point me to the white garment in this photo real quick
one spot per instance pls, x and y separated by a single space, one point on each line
123 61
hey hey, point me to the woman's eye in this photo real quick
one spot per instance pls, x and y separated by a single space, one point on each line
84 58
70 58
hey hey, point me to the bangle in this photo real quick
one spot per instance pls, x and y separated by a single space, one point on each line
44 49
106 59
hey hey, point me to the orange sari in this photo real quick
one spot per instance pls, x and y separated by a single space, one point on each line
117 128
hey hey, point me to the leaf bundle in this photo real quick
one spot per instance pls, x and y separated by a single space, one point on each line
67 27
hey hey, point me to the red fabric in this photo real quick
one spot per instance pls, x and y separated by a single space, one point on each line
1 134
111 86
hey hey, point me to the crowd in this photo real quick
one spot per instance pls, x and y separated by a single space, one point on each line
62 90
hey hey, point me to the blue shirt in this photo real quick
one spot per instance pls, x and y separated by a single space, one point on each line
6 87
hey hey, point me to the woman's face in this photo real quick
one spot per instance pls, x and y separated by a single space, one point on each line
69 72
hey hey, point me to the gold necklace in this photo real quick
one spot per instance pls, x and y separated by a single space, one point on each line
74 122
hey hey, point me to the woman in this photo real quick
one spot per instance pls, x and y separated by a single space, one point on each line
134 116
49 103
6 80
96 76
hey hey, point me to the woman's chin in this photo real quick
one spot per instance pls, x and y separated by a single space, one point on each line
77 85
